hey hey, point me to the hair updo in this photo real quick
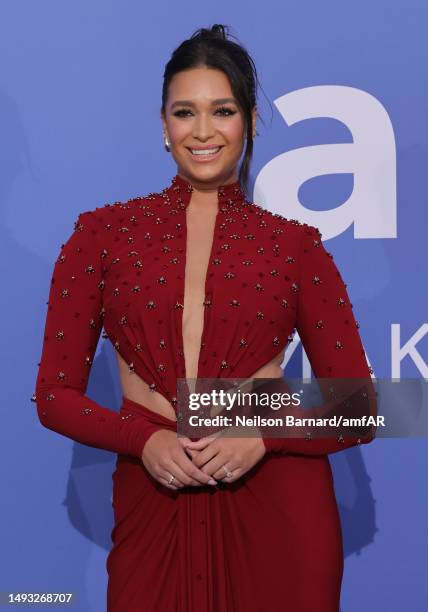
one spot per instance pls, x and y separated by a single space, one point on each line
214 49
216 31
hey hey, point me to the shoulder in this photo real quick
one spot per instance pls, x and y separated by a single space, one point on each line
110 213
296 229
118 208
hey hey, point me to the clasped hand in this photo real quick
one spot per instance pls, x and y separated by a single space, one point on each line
201 462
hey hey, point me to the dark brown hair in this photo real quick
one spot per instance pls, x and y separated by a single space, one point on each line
213 48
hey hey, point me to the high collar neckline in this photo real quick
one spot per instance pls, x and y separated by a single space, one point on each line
229 194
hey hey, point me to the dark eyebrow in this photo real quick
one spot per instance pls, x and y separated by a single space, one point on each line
214 102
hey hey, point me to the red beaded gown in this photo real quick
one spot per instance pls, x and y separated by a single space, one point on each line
272 539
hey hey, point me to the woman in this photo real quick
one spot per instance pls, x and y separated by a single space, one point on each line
197 281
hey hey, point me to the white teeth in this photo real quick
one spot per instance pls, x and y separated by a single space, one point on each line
205 151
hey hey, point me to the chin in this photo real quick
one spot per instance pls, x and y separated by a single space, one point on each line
203 172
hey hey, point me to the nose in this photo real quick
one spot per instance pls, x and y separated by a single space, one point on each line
203 127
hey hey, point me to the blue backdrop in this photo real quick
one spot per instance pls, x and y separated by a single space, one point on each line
343 146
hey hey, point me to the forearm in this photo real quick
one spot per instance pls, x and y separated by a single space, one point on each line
334 425
314 446
69 412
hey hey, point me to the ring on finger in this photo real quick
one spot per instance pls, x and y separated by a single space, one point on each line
228 474
171 479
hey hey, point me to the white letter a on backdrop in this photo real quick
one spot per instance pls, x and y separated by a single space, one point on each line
371 158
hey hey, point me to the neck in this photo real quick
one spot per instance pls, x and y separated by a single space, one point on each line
228 194
203 190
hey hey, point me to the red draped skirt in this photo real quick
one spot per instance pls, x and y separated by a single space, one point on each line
270 541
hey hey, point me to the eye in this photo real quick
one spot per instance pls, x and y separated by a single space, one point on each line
230 111
224 111
180 113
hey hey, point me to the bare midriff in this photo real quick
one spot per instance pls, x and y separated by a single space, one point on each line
134 388
200 218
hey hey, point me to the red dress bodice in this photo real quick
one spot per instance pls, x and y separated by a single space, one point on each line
123 269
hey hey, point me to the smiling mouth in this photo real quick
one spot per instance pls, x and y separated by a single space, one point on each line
207 153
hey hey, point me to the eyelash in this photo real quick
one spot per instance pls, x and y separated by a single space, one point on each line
231 112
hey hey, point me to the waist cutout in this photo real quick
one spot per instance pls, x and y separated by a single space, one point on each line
155 418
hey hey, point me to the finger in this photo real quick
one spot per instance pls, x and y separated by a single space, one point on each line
204 456
200 444
213 466
189 472
210 438
185 477
221 475
166 476
192 453
183 440
166 484
221 470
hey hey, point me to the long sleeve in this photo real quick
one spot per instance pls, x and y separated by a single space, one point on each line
329 333
72 329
